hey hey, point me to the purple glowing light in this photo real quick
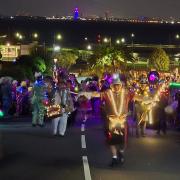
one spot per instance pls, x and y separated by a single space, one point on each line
152 77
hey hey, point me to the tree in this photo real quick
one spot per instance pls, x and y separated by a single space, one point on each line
42 53
159 60
66 59
39 64
110 58
27 65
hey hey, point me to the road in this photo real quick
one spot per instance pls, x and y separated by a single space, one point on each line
34 154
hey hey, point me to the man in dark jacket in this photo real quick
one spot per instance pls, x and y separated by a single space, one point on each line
161 116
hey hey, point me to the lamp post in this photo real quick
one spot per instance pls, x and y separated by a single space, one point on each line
123 40
8 45
132 41
177 37
107 40
57 37
55 73
56 49
118 41
19 37
89 47
35 37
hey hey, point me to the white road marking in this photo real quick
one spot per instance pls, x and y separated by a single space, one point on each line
87 173
83 141
83 127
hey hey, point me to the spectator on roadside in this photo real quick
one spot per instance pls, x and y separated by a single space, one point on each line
6 96
161 115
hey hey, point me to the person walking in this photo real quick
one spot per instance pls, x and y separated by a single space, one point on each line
37 101
115 110
64 99
161 115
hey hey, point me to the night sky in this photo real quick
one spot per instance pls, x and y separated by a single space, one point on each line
117 8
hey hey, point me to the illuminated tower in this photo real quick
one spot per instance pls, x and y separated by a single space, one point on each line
76 14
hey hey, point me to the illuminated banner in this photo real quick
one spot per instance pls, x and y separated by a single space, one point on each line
9 53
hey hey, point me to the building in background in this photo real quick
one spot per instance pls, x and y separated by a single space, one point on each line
76 14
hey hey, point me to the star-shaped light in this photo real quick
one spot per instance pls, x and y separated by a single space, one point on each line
117 123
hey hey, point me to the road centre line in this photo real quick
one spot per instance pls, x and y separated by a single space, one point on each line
83 127
83 141
87 173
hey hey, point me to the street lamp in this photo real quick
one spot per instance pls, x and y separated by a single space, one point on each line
58 37
56 48
55 73
8 44
107 40
132 41
85 38
118 41
177 36
89 47
123 40
55 60
132 35
35 35
19 36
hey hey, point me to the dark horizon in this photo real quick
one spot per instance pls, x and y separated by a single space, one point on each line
74 32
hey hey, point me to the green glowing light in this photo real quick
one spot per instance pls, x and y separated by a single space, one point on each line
174 85
1 114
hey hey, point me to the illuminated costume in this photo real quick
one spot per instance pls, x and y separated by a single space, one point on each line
21 98
114 111
37 101
115 107
64 99
140 123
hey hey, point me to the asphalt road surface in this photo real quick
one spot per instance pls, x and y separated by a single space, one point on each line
29 153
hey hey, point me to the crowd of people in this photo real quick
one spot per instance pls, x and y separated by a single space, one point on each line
124 101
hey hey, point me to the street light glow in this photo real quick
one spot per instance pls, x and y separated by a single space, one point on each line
89 47
20 36
105 40
123 40
35 35
177 36
132 35
59 37
117 41
55 60
56 48
17 34
8 44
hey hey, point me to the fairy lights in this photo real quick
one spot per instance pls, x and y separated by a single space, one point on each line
119 111
53 110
